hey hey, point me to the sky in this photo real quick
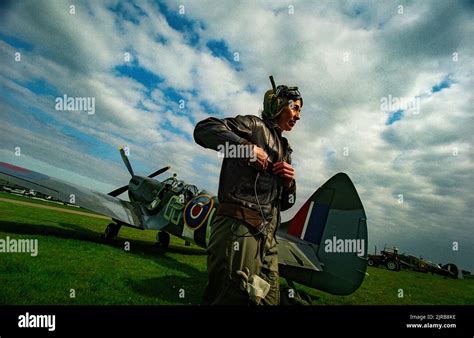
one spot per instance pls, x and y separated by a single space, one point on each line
387 90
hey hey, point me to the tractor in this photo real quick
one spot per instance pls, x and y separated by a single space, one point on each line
388 257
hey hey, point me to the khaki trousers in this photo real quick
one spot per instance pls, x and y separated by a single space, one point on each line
234 245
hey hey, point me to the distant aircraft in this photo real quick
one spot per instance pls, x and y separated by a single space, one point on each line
333 214
422 265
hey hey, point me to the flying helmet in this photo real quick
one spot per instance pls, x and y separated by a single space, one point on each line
277 98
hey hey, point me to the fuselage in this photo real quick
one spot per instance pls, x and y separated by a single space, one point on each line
175 207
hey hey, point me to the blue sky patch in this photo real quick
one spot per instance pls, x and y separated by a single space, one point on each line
16 42
123 13
41 117
160 39
168 126
394 117
357 10
210 109
141 75
95 146
219 49
446 83
181 22
251 89
172 94
42 87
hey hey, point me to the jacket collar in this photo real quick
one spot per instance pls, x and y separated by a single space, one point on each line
273 125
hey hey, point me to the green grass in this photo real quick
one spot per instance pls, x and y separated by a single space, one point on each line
73 256
383 287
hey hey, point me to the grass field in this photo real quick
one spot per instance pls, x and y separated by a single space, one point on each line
43 202
74 260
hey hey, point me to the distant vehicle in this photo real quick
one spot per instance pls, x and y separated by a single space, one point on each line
388 257
415 263
422 265
30 192
449 270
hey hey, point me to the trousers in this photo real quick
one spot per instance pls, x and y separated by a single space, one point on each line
233 246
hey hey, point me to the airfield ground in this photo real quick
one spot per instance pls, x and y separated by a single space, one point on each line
73 260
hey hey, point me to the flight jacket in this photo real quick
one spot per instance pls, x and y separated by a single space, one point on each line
242 188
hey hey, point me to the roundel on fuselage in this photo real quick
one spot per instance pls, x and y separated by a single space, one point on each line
197 211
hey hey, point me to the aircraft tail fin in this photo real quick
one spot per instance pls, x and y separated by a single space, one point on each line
330 231
308 223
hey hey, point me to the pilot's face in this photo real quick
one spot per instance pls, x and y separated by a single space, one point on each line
290 114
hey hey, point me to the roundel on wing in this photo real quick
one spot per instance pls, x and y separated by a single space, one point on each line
197 211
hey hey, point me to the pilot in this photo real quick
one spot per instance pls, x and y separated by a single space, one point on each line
242 259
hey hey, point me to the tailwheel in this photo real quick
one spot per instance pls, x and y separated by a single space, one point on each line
163 239
111 231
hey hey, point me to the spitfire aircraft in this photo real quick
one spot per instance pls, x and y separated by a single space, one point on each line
332 215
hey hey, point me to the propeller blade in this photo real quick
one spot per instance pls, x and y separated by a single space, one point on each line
118 191
126 161
159 171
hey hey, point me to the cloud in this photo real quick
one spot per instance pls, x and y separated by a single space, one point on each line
345 57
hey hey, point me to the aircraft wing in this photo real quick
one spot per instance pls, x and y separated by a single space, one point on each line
89 199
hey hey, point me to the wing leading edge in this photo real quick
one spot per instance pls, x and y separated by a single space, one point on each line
89 199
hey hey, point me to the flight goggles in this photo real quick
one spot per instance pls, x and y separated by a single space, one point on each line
291 93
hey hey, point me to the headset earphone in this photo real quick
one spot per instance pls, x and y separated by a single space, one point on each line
278 97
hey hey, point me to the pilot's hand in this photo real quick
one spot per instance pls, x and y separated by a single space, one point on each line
259 158
286 172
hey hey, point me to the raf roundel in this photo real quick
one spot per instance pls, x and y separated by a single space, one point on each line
197 211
